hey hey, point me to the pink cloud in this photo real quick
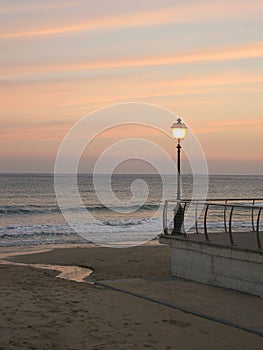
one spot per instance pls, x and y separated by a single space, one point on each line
223 54
182 12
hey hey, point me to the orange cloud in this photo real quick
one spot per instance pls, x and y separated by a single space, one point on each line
20 131
223 54
73 93
241 123
228 125
184 12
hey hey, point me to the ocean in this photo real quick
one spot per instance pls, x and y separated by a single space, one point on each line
30 215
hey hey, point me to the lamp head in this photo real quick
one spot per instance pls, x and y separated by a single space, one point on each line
179 130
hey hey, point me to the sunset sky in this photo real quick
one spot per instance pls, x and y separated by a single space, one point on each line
62 59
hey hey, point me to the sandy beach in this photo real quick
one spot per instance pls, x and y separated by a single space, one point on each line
41 311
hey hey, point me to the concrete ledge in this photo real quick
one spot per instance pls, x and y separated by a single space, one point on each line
215 264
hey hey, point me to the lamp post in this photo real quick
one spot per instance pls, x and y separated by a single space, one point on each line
179 130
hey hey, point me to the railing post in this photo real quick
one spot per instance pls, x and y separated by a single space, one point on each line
225 208
258 236
205 220
196 218
252 215
165 228
183 229
230 227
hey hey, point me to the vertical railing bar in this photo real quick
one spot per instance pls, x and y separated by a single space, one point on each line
230 226
185 204
225 209
165 228
196 219
258 236
252 215
205 221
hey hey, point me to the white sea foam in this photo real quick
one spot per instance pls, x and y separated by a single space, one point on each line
114 230
62 233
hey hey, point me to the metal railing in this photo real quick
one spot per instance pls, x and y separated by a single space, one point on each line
226 203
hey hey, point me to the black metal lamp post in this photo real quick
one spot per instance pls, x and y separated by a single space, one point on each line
179 130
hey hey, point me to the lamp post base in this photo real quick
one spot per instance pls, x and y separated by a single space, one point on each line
178 220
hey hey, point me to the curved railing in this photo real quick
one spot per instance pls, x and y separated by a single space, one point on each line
208 204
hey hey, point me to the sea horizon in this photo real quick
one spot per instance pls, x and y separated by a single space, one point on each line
130 173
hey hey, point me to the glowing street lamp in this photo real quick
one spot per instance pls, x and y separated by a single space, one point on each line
179 130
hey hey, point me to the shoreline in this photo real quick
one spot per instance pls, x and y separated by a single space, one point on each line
37 248
86 255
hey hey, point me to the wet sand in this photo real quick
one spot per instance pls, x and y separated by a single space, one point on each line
41 311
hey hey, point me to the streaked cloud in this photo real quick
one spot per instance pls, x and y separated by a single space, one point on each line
180 13
73 94
11 131
253 50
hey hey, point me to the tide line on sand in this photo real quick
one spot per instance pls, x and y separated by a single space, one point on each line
67 272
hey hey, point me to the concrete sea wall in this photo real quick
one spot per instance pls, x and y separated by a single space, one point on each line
217 265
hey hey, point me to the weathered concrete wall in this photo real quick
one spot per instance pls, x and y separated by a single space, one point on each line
218 265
